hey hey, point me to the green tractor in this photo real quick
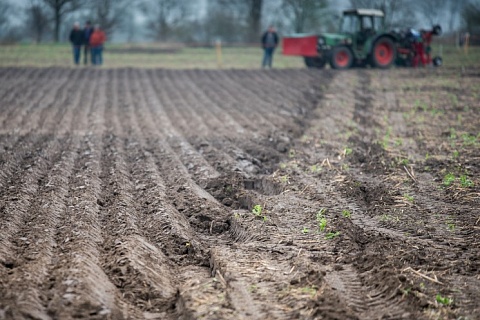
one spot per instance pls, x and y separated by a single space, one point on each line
362 40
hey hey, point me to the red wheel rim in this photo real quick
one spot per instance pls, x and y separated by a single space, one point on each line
341 58
384 53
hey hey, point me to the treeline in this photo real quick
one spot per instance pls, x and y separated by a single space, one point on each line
203 21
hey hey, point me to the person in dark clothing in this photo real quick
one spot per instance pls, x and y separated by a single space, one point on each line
87 31
77 40
269 43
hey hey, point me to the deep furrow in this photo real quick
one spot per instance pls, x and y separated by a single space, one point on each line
20 196
37 242
145 282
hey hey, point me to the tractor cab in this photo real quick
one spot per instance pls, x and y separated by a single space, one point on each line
361 25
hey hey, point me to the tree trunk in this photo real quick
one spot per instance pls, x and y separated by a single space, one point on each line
57 25
255 19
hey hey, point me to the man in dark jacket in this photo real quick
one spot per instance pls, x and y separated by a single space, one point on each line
269 43
77 40
87 31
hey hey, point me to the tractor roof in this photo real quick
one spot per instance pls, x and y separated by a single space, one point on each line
365 12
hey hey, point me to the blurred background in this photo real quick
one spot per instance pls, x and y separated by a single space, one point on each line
203 21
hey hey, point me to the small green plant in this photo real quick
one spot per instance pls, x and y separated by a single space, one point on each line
469 140
427 156
444 300
257 210
322 224
455 154
465 182
385 217
406 291
284 179
311 290
451 226
332 235
305 230
346 213
404 162
448 179
348 151
283 165
291 153
315 168
408 197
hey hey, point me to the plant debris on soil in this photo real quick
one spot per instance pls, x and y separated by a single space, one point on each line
239 194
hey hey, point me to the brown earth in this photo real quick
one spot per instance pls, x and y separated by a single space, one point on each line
128 194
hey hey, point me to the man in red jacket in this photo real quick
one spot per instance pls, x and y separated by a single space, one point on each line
97 39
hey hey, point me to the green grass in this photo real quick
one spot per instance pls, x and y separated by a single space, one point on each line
47 55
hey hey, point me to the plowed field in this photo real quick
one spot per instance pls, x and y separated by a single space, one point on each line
239 194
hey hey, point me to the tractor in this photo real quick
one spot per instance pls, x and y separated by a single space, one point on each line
361 41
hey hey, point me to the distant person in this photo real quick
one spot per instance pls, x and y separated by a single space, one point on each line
76 38
269 43
97 40
87 33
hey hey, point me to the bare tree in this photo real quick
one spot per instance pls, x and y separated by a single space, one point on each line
4 14
398 13
255 18
165 17
304 15
60 8
471 16
37 20
110 13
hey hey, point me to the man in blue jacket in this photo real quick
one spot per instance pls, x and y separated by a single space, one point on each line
77 40
269 43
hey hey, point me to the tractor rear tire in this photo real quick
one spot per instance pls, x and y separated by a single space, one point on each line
384 53
342 58
315 62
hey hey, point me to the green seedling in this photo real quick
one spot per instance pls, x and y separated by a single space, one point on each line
311 290
322 224
291 153
315 168
465 182
448 179
346 213
284 179
427 156
451 226
455 154
385 217
305 230
257 210
444 300
406 291
469 140
408 197
283 165
347 151
332 235
404 162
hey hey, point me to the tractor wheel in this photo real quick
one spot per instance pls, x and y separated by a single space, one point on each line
342 58
384 53
312 62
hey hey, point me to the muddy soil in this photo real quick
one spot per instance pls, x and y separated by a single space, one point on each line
239 194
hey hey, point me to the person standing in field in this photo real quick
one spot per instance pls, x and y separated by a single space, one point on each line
269 43
97 39
76 38
87 32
